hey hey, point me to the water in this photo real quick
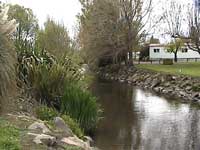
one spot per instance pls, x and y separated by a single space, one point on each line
135 119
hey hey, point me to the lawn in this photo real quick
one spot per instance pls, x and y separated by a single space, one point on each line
191 69
9 136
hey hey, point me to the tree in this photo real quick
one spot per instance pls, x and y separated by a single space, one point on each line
53 38
193 39
134 12
112 29
100 32
7 54
24 37
174 46
174 19
154 40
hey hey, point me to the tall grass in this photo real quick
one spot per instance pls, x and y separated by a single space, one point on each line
81 106
7 53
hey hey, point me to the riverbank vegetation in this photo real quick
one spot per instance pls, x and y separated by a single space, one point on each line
110 30
45 65
191 69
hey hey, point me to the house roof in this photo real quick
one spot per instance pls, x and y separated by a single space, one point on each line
156 45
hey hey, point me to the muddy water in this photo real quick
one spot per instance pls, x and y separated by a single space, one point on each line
135 119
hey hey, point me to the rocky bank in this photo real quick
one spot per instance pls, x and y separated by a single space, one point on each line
185 88
39 135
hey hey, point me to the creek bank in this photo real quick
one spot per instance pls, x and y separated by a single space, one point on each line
37 134
185 88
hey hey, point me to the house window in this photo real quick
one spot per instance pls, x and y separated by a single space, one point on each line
156 50
184 50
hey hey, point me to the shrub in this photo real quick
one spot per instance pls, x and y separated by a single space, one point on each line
167 61
81 106
74 126
45 113
7 53
196 88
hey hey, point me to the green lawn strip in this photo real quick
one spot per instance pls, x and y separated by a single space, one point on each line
9 136
191 69
72 148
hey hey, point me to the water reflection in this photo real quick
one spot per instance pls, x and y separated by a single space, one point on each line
139 120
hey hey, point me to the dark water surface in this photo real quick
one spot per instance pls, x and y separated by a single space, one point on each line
139 120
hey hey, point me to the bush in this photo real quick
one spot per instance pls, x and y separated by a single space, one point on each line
81 106
47 80
7 53
74 126
167 61
196 88
45 113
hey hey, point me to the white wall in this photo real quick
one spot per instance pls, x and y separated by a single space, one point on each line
164 54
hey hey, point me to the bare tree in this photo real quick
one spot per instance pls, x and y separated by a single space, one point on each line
134 12
193 41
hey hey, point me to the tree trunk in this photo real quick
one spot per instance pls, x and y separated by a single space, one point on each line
175 57
130 54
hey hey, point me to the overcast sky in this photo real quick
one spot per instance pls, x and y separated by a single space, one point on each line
66 10
61 10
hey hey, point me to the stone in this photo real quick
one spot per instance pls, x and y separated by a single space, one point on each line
89 140
39 126
45 139
62 126
188 88
74 141
155 83
196 95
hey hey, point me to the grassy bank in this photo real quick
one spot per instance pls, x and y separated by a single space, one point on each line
13 135
191 69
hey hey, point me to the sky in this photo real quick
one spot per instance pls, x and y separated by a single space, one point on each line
64 11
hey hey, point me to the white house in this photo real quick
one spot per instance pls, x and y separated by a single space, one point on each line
159 51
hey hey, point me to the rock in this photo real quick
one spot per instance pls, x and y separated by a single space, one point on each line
74 141
89 140
39 126
188 88
155 83
196 95
45 139
182 94
167 84
62 126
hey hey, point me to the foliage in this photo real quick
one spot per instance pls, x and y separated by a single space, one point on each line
99 29
109 30
154 40
24 37
54 38
26 61
144 53
10 136
196 88
174 46
48 82
74 126
81 106
46 113
7 54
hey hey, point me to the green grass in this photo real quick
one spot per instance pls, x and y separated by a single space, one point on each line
191 69
72 148
9 136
